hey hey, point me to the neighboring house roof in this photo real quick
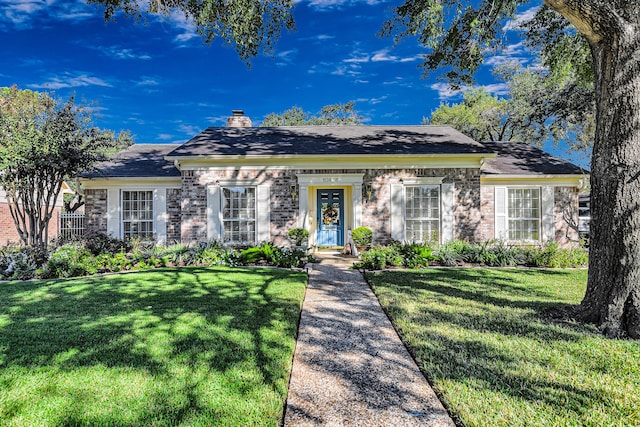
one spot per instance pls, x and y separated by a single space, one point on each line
328 140
137 161
517 158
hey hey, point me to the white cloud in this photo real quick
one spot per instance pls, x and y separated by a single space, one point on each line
164 136
516 52
379 56
122 53
189 129
186 26
20 14
521 18
330 4
496 88
383 56
71 80
318 38
446 91
148 81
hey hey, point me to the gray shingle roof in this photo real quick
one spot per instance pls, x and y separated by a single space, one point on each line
328 140
517 158
137 161
148 160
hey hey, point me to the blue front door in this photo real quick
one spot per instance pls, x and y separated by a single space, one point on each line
330 216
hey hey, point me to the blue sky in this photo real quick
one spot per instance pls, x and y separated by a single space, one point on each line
161 82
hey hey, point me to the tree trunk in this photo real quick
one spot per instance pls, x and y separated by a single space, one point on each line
612 300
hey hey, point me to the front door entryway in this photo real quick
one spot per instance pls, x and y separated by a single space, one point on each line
330 214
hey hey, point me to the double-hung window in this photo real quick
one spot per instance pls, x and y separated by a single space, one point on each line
422 210
137 214
239 214
523 211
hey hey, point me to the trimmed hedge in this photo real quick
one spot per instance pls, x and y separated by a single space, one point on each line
456 253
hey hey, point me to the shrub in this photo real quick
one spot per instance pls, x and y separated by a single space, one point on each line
19 262
252 255
448 254
553 256
501 255
70 260
298 235
362 236
379 257
100 243
211 254
416 255
293 258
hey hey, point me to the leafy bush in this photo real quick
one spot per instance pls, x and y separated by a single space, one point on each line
252 255
298 235
70 260
101 243
416 255
501 255
448 254
19 262
379 257
362 236
553 256
293 258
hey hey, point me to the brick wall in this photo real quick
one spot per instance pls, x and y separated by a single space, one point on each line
174 196
95 209
376 211
487 211
8 232
565 211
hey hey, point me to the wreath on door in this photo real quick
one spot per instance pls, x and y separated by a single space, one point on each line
329 215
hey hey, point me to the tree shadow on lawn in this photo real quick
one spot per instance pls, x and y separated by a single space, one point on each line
157 322
473 333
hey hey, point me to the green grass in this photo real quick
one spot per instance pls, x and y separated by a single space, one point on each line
191 346
485 339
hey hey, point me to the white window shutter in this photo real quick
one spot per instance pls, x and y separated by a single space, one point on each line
160 212
214 213
447 197
113 212
501 231
548 220
397 212
263 207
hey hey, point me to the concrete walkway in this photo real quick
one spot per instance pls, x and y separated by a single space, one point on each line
350 367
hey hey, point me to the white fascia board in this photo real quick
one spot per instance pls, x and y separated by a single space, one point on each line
405 161
536 180
147 182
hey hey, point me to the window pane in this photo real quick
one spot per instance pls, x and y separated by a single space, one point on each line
524 213
239 214
137 214
422 208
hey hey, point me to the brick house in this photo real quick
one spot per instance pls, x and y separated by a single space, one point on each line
240 184
8 231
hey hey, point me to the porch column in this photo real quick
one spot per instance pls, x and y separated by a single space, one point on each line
303 206
357 204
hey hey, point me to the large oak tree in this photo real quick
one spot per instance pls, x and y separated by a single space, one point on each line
458 35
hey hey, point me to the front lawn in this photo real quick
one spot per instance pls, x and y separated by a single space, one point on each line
485 339
191 346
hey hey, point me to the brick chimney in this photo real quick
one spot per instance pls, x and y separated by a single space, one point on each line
238 120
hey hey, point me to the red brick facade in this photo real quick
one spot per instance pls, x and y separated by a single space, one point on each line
8 232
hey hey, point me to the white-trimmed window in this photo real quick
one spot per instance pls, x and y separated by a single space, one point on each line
523 212
422 213
137 214
239 214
